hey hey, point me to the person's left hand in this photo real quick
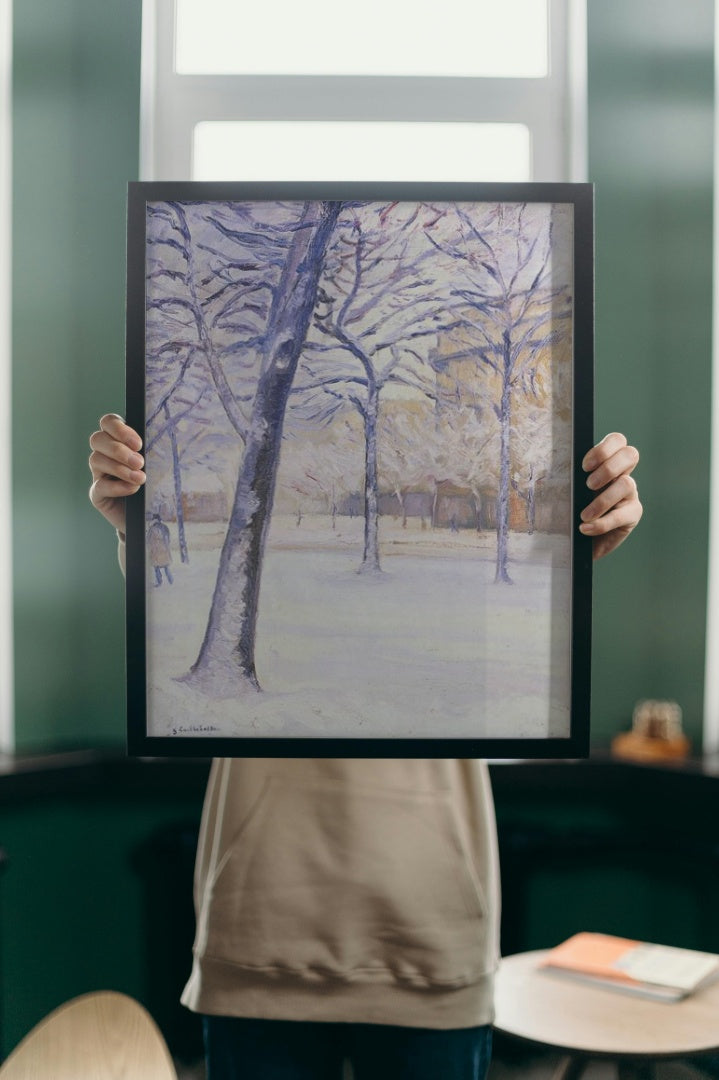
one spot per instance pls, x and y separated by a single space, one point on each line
616 510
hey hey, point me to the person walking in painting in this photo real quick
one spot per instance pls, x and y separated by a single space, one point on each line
348 909
158 549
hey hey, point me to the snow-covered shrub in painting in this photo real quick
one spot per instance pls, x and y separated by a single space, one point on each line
358 429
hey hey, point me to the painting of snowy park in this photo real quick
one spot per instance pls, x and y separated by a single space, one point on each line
359 446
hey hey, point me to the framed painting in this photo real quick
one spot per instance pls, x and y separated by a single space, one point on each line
364 408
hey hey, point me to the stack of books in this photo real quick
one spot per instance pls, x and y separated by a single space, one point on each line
660 972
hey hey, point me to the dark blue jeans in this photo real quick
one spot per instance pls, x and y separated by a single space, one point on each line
238 1049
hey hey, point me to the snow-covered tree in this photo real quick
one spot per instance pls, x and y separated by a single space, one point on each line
512 298
380 307
408 449
469 456
227 654
541 440
230 293
207 300
321 467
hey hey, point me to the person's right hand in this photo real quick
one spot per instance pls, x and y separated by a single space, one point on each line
116 467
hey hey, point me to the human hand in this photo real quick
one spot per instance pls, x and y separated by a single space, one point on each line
116 466
616 510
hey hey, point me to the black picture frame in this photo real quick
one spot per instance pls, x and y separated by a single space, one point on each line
245 245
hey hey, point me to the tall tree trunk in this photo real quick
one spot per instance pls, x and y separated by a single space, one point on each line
370 558
177 480
226 662
478 511
502 573
531 507
402 507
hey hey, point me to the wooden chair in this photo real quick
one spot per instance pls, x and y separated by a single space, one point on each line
99 1036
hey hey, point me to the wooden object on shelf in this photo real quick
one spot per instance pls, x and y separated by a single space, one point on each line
656 733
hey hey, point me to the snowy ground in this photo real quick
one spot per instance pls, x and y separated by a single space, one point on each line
429 648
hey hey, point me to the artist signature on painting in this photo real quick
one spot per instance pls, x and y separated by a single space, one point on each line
194 729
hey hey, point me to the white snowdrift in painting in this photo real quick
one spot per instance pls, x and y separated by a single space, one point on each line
429 648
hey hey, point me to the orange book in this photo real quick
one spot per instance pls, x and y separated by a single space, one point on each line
662 972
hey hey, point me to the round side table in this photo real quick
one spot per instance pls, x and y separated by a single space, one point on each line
586 1022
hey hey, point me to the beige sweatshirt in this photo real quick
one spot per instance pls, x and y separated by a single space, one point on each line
347 890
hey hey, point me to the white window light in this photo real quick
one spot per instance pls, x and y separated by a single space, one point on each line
401 38
332 150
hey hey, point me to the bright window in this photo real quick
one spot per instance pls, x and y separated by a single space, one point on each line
403 38
357 150
467 90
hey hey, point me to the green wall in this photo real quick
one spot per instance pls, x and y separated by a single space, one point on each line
75 146
650 156
77 896
76 90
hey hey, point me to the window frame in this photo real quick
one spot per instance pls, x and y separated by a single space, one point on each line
553 108
710 727
7 722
